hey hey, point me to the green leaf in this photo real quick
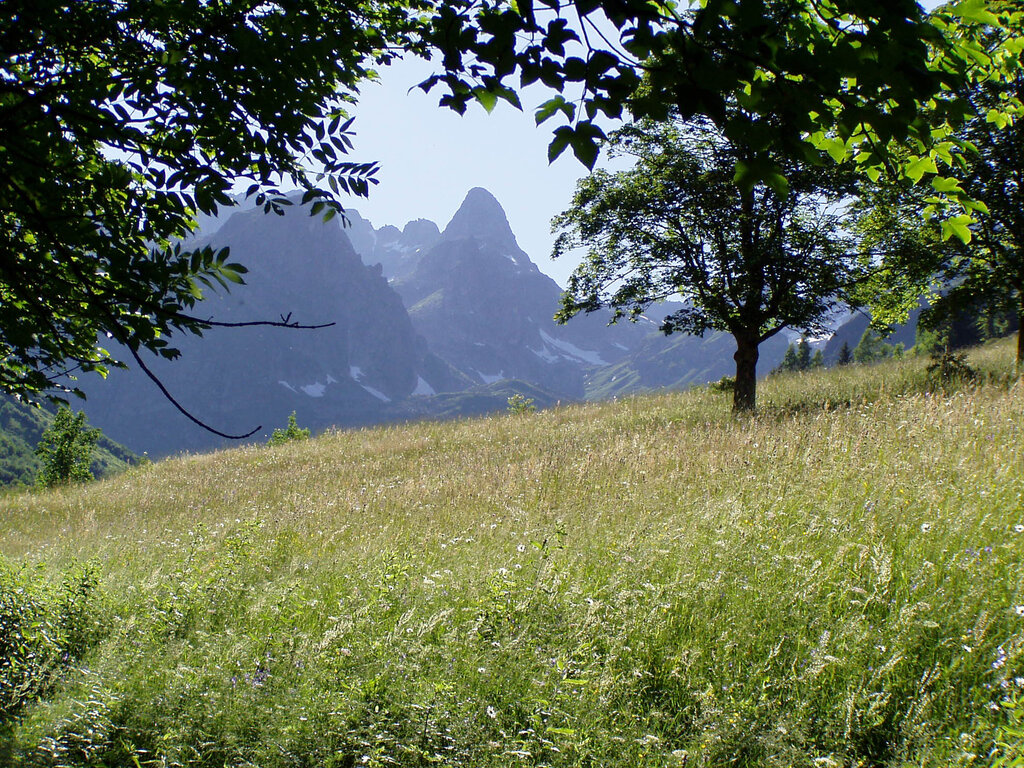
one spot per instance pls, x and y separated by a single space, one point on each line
837 148
917 167
957 227
560 141
945 185
998 118
488 100
975 10
553 105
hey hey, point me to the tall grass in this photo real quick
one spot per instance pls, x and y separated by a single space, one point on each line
834 582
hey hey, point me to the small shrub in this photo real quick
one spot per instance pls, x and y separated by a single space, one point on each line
291 433
66 450
724 384
519 404
947 367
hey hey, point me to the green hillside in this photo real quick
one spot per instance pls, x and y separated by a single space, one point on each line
838 581
22 426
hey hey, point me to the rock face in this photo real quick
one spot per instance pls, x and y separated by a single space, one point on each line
398 251
425 323
483 306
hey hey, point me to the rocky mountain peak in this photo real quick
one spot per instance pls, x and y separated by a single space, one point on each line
481 217
422 232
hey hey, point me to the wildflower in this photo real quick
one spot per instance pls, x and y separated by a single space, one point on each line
925 527
1000 658
1019 610
521 548
492 712
1018 528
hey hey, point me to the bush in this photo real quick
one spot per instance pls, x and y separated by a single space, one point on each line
291 433
519 404
948 367
66 450
43 629
724 384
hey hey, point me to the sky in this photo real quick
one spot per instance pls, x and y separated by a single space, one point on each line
430 157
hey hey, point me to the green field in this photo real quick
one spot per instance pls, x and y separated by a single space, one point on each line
837 581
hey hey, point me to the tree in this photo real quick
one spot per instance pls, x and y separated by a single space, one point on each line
871 348
748 261
986 273
66 450
971 264
849 78
291 433
119 121
817 360
789 361
803 354
845 355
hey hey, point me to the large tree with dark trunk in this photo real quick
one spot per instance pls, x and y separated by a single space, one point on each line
745 259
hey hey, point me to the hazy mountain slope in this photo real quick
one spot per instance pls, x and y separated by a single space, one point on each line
236 379
676 362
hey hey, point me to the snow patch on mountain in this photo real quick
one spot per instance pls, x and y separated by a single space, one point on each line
571 350
489 378
423 387
376 393
544 354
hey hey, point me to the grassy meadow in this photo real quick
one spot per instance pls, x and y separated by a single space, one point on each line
836 581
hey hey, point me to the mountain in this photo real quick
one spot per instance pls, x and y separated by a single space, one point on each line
423 323
677 362
398 251
235 379
482 305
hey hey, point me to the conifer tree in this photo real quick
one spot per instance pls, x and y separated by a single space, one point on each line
803 354
845 355
789 360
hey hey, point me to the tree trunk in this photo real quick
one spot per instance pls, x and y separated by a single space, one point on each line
1020 336
744 394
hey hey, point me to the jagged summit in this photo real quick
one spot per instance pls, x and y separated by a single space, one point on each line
481 217
421 230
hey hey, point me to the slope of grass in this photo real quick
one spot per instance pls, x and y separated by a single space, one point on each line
835 582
